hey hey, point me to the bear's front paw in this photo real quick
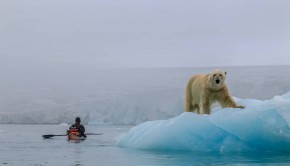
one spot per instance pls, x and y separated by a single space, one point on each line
241 107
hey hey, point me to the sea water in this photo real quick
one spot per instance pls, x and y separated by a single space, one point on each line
23 145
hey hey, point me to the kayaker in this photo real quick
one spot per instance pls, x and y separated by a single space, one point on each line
81 129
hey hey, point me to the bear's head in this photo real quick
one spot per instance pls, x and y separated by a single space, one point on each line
217 79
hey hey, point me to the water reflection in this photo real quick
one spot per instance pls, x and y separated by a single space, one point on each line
207 158
77 153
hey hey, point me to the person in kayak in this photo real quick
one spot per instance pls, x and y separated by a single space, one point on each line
80 128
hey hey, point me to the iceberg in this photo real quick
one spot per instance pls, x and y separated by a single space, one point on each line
263 126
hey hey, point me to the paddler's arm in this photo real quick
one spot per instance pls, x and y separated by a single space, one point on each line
82 129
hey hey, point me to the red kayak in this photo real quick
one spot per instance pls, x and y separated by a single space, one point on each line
73 134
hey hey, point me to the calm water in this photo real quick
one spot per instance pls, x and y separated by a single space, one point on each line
23 145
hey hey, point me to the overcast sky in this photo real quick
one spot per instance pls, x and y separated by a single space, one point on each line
144 33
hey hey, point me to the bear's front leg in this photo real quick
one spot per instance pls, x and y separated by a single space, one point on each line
205 107
228 101
240 106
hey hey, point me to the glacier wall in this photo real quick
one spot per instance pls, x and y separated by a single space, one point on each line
119 96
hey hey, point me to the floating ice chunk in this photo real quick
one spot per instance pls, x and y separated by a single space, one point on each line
262 127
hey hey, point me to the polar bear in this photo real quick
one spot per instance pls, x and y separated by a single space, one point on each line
205 89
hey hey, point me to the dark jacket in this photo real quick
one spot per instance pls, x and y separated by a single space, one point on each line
80 128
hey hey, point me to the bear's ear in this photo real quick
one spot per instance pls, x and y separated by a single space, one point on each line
225 72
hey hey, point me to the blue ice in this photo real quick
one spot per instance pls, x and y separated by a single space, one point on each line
263 126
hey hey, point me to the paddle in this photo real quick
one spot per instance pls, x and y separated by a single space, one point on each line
52 135
93 133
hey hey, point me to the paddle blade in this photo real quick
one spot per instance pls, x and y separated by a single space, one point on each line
51 135
93 133
47 136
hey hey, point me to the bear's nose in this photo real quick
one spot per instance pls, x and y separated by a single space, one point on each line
217 81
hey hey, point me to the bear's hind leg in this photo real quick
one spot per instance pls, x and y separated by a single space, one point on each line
197 109
188 107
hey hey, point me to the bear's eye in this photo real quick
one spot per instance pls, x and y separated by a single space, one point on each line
220 75
214 75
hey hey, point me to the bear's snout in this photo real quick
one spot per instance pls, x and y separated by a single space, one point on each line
217 81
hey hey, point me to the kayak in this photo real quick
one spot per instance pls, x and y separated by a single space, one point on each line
73 134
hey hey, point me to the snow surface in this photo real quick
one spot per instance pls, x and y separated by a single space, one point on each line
263 126
119 96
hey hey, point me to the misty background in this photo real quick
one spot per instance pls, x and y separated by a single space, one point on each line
145 33
65 58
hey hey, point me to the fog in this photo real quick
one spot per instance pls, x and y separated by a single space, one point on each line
70 34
